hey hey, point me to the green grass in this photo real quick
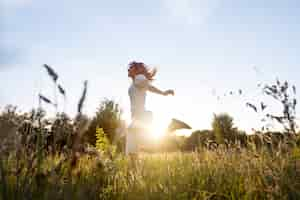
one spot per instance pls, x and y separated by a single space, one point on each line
205 175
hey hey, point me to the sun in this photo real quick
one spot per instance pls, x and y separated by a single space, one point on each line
158 127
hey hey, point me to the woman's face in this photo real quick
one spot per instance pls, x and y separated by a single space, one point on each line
133 71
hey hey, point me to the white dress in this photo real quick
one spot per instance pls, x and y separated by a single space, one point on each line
140 117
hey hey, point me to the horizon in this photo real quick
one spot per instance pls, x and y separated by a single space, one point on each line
202 50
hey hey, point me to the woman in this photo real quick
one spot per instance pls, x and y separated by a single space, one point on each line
141 77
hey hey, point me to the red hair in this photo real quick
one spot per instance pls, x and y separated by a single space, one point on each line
143 69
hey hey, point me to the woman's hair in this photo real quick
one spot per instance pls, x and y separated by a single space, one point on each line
143 69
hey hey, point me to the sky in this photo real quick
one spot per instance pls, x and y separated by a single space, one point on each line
202 49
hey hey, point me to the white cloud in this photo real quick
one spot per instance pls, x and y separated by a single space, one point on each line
14 3
190 11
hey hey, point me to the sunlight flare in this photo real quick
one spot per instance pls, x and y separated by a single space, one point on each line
158 128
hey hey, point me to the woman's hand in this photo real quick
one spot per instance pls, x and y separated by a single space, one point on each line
169 92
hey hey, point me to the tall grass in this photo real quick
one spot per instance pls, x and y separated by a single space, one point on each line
217 174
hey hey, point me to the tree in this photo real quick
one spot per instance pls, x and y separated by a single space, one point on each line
223 128
199 138
108 117
13 122
9 121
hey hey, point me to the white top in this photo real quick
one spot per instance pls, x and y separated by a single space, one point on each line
137 93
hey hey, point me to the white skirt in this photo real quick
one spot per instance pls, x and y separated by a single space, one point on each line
136 132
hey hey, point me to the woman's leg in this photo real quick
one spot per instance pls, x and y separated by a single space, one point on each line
132 148
131 142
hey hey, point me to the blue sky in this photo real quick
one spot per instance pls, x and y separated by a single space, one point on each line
202 49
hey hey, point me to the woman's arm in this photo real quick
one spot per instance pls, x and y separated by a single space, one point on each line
141 81
153 89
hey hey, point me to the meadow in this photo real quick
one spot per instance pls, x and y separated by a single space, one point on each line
83 157
206 174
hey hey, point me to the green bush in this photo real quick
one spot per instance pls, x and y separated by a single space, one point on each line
108 117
